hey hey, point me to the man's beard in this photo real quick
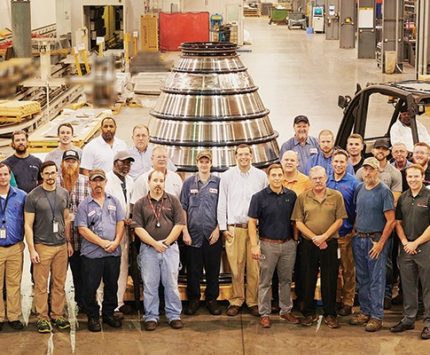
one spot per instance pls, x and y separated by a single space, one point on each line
70 176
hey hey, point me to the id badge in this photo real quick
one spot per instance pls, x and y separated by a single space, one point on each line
3 233
54 226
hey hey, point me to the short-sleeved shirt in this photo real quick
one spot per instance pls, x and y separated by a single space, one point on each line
299 184
426 181
47 206
200 202
305 151
12 216
170 214
414 212
370 207
319 216
273 211
346 186
25 170
390 176
101 220
56 155
321 160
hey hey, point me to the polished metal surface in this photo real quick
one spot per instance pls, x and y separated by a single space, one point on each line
199 107
205 84
228 64
216 133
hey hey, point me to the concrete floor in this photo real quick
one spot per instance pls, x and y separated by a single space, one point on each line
297 74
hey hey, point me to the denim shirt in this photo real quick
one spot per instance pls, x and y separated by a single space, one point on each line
13 217
200 202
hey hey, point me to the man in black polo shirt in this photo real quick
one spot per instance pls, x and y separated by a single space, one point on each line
413 229
271 208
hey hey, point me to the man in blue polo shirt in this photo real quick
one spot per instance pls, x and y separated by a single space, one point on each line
100 221
346 184
11 248
199 198
271 209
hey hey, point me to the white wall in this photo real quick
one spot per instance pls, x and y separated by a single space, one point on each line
42 13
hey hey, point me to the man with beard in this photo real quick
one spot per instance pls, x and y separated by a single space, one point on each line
158 219
120 185
99 153
420 156
401 130
78 188
25 167
304 145
100 221
142 152
318 213
65 135
324 156
354 147
47 232
374 223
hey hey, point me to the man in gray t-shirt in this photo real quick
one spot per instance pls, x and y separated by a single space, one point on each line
47 232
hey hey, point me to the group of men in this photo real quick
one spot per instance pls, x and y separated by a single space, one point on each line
319 211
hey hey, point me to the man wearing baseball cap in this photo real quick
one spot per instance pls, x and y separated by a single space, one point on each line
199 198
100 221
120 184
374 223
305 145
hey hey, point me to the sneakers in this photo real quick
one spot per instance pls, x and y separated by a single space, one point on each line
331 322
43 326
290 318
61 323
265 321
373 325
359 319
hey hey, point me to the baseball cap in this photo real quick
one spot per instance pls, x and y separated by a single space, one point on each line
372 162
204 154
71 154
301 118
97 173
123 155
381 143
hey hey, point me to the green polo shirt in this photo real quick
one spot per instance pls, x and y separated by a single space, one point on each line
319 216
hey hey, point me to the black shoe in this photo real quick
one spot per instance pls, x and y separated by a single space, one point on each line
16 324
94 325
112 321
126 309
150 325
401 327
193 306
176 324
213 307
387 303
425 334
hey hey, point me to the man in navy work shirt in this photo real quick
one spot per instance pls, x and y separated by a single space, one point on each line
100 221
199 198
11 248
271 209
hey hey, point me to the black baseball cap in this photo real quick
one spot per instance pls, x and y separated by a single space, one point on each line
381 143
301 118
71 154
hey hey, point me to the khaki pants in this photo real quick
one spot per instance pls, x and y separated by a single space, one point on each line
238 249
52 259
11 266
346 279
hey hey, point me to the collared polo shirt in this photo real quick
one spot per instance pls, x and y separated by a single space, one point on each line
346 186
414 212
305 151
200 202
102 221
273 212
300 183
321 160
319 216
171 214
12 218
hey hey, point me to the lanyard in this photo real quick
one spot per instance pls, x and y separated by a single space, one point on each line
3 210
157 210
50 205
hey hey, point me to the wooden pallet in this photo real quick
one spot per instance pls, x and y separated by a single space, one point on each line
15 119
12 111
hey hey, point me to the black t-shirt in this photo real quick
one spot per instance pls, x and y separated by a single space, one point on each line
358 165
273 212
25 170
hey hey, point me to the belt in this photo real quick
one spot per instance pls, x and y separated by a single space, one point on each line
274 241
239 225
368 235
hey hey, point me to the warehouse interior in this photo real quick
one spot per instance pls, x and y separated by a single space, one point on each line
82 60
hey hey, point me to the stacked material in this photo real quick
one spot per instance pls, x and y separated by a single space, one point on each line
16 111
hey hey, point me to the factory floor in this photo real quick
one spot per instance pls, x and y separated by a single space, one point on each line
297 74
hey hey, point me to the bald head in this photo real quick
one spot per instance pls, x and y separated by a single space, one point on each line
290 161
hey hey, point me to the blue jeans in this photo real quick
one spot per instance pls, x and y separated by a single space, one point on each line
157 266
370 277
